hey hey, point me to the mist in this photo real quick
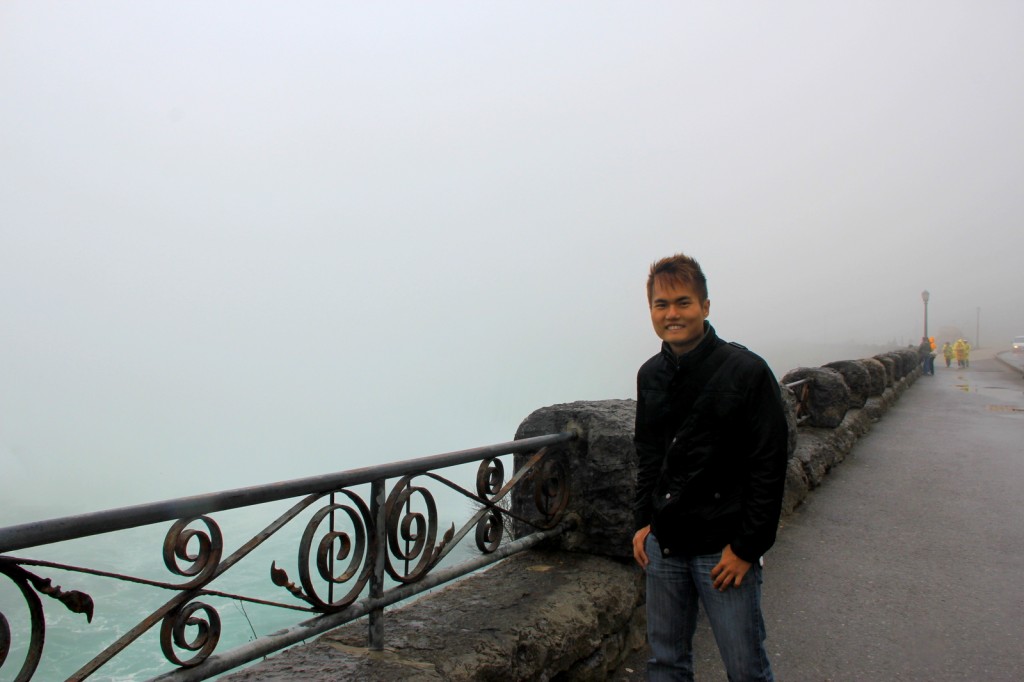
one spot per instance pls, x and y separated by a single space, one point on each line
246 242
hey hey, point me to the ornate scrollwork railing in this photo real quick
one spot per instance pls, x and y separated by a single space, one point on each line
347 551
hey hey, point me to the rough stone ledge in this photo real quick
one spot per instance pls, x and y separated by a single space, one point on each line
533 616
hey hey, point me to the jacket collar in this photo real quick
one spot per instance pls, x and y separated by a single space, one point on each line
698 354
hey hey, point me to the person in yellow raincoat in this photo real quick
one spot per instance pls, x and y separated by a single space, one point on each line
960 351
947 352
967 354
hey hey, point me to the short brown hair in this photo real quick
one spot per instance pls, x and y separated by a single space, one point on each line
679 269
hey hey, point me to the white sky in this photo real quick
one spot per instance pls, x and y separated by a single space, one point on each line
245 241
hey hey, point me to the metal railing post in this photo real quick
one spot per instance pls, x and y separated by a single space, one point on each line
380 539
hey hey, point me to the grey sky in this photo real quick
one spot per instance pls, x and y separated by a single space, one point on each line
265 240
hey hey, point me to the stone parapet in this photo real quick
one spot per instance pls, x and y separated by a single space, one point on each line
537 615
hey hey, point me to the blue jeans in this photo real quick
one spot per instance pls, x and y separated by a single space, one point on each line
674 586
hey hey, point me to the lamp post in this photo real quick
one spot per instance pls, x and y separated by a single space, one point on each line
924 297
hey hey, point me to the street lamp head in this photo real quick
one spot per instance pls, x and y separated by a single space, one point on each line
925 296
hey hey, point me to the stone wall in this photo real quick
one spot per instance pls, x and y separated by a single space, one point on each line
573 610
844 399
533 616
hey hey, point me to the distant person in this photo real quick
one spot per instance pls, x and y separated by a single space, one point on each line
960 350
947 352
967 353
711 442
924 352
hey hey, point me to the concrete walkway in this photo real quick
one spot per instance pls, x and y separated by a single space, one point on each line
907 563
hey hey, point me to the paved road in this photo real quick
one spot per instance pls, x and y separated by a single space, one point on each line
907 563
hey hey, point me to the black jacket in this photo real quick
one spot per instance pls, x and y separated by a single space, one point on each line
711 463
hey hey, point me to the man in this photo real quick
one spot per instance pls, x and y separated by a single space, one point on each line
711 441
960 350
924 351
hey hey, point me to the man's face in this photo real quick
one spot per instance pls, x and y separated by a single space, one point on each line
678 315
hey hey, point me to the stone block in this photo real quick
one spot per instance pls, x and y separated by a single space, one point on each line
829 396
890 367
857 379
601 468
876 375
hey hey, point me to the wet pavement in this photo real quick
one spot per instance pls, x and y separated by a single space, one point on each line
906 563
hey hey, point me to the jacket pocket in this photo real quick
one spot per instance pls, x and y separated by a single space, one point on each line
656 407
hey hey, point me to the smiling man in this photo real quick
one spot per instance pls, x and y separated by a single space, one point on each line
711 441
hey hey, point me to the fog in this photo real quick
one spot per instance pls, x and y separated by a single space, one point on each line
243 242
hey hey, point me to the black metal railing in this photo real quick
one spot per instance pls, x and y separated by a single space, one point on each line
354 558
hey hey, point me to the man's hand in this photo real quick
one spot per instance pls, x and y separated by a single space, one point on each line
728 572
639 552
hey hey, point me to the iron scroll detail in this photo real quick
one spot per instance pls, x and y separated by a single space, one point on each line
490 479
354 548
172 633
205 561
31 586
411 534
551 491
